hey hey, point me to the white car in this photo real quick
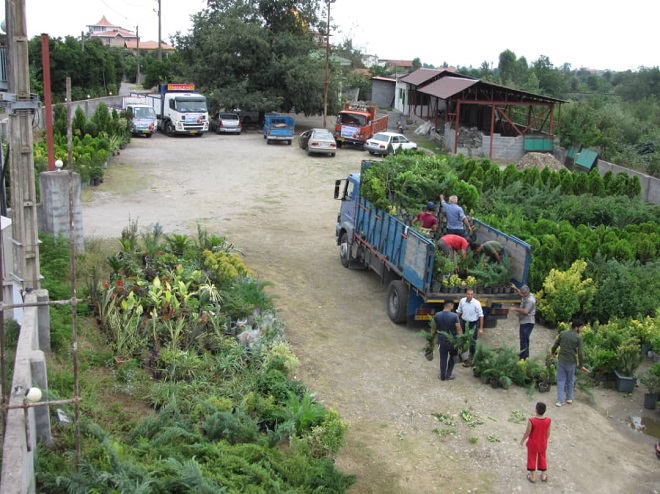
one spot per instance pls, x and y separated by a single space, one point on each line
318 141
388 142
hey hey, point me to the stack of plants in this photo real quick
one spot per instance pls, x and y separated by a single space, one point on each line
404 184
502 367
94 141
197 393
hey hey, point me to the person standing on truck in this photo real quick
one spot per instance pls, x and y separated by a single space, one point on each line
428 219
447 323
457 222
450 244
472 318
526 317
493 249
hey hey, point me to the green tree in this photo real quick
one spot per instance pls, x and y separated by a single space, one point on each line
266 51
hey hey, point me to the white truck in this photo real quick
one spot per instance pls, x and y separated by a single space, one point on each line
180 110
144 116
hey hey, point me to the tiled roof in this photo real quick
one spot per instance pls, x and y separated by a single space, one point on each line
147 45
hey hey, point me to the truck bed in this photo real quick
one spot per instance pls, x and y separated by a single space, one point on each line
394 250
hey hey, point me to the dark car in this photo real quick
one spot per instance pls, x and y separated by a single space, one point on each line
226 123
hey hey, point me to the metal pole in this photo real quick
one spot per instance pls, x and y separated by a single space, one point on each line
160 48
326 82
72 260
137 33
48 103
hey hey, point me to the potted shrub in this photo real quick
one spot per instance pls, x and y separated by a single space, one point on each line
651 379
629 358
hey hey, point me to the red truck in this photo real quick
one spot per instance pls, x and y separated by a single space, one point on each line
358 122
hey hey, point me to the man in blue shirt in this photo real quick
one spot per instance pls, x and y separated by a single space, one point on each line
457 222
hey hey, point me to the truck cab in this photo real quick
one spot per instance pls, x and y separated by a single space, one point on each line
144 119
358 122
180 110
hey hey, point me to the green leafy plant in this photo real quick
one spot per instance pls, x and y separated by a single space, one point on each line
651 379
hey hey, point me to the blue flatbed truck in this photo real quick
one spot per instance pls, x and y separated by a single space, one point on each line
371 238
279 128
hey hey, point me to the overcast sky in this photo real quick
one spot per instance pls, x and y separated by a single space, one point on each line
602 35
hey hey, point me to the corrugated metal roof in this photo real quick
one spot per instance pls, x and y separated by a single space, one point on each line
380 78
420 76
448 86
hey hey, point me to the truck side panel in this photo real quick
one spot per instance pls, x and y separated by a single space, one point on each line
518 251
380 125
403 250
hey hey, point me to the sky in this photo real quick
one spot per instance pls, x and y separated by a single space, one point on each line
604 35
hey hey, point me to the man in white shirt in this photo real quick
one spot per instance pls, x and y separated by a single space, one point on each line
472 318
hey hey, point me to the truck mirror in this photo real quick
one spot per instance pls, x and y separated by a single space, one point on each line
337 186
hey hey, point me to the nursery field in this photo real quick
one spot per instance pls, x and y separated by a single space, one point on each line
409 433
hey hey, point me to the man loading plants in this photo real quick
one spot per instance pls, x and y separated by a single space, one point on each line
457 222
570 345
472 318
428 220
450 244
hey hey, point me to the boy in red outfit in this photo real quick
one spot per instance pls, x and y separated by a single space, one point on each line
538 432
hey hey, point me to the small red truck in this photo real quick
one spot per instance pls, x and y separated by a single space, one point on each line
358 122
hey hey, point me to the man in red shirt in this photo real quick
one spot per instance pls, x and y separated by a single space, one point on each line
450 244
428 219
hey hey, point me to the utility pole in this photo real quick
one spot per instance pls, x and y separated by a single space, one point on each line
160 48
326 82
21 158
137 34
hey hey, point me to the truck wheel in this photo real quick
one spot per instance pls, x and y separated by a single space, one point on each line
339 144
169 129
397 301
149 135
344 250
289 142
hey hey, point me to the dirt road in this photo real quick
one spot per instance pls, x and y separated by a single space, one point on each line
276 204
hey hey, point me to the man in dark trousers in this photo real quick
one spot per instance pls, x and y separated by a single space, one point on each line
526 317
446 323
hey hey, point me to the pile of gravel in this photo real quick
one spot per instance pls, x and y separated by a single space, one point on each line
540 161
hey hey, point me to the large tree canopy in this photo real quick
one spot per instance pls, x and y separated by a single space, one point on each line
256 54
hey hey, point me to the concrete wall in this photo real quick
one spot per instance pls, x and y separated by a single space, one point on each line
53 212
505 149
382 94
18 453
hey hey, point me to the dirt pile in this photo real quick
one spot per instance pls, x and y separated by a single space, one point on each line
540 161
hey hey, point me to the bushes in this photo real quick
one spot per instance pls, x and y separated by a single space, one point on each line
565 294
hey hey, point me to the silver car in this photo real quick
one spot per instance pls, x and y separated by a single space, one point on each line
226 123
318 141
388 143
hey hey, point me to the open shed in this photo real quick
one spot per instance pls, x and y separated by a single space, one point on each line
479 118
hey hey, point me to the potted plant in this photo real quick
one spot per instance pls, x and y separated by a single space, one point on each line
629 358
462 344
651 379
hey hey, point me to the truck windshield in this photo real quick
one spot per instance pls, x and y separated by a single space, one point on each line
190 104
143 112
351 119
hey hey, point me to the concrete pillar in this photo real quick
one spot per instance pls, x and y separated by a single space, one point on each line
40 380
43 318
54 214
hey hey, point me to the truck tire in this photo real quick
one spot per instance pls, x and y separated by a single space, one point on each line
339 144
344 250
397 301
150 134
289 142
169 128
